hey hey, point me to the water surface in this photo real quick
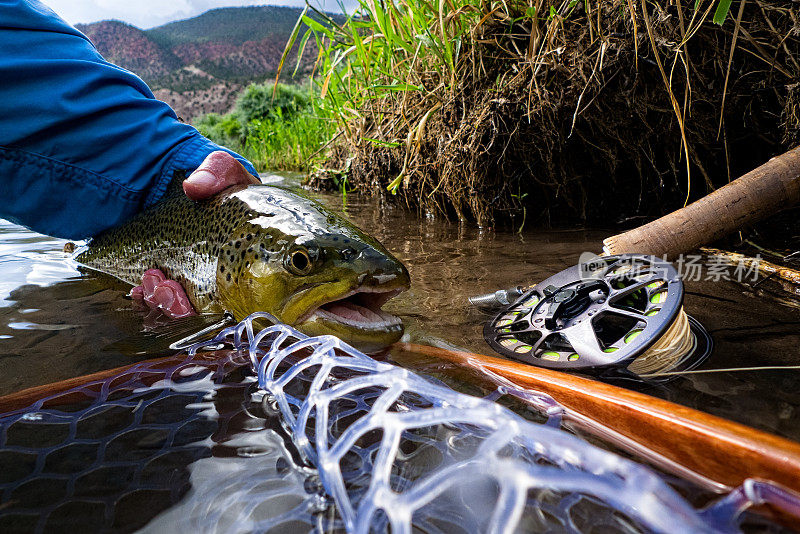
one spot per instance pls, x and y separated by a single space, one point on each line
59 322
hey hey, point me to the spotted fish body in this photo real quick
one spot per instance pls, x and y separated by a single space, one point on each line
261 248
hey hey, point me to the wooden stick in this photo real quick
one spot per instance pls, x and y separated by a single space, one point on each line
720 450
747 200
766 268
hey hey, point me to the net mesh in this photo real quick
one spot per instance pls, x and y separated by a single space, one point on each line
397 449
177 434
325 439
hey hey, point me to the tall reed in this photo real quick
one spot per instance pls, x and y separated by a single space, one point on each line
275 127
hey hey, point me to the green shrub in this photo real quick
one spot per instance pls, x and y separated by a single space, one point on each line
222 129
287 143
258 103
279 133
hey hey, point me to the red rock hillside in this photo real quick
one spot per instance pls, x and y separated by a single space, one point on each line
200 65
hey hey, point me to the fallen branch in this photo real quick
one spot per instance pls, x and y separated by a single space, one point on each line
758 194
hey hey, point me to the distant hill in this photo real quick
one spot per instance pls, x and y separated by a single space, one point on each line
199 65
235 26
130 47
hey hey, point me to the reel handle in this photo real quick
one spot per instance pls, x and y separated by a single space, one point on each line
494 301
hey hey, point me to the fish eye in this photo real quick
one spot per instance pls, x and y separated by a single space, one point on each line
299 262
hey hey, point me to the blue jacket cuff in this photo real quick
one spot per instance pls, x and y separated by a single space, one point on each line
187 157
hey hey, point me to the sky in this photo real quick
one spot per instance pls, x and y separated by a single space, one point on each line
148 13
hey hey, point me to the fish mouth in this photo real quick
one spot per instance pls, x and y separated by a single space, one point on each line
359 309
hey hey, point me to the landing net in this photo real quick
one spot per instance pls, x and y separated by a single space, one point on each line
326 439
395 449
179 435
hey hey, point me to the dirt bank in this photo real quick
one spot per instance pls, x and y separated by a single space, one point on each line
586 115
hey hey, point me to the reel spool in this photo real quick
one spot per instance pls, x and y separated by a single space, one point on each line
618 312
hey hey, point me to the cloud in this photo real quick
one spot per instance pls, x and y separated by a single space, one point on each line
148 13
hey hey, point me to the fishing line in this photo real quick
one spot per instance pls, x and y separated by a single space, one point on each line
730 370
191 339
669 351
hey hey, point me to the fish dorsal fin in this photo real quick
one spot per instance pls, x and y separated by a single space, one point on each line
175 186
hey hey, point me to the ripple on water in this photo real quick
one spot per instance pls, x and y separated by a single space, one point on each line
57 323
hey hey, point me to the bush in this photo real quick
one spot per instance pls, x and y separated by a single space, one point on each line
279 133
257 102
223 129
287 144
584 109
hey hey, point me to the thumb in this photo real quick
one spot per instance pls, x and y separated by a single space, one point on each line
218 171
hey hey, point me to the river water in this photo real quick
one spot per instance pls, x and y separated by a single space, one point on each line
59 322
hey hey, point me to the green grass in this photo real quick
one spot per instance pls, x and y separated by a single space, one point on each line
276 128
395 63
287 144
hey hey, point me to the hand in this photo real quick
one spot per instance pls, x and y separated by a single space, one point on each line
218 171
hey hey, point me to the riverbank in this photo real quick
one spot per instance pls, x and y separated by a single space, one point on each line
563 112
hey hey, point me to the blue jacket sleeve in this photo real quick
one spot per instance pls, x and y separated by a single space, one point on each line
84 145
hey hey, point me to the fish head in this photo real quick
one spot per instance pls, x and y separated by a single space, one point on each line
311 269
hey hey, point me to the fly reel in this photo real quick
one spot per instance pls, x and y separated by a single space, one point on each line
614 312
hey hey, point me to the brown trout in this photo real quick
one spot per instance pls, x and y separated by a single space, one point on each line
262 248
